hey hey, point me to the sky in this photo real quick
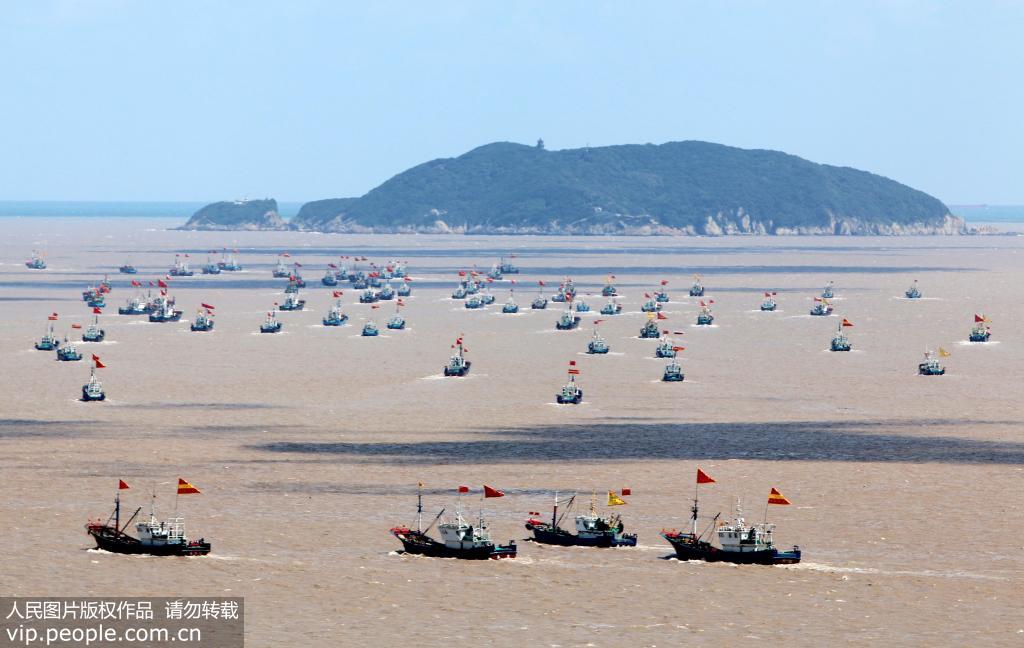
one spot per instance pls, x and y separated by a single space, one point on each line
308 99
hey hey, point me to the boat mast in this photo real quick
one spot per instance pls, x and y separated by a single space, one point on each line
117 512
693 510
554 513
419 508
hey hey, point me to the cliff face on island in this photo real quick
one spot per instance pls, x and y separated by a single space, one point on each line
678 188
237 215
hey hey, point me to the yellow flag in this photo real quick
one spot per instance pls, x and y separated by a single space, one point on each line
943 353
615 500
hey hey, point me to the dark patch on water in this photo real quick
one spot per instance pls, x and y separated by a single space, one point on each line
784 441
26 428
216 407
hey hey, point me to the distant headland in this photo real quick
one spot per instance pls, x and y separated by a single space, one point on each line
677 188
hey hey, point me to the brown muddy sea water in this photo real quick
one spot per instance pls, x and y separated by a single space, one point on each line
907 491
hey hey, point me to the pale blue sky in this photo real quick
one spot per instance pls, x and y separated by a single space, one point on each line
301 100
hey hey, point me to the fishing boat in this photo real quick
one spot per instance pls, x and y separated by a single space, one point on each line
494 273
396 322
471 287
180 267
582 307
210 267
567 321
486 297
592 530
459 293
280 270
913 292
597 344
203 321
840 341
611 308
769 302
661 294
829 291
154 537
163 311
704 316
649 306
228 263
360 283
665 348
510 306
105 286
89 293
822 307
697 289
673 372
609 289
370 329
930 366
127 268
292 303
93 332
980 332
404 289
36 262
97 300
386 293
329 278
457 364
506 267
335 316
67 352
401 270
650 330
741 543
271 324
373 280
93 390
368 296
134 305
473 302
296 278
459 539
570 394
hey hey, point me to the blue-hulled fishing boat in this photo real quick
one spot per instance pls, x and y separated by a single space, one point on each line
335 316
330 278
609 289
840 341
93 390
704 317
386 293
203 321
673 372
271 324
829 291
650 330
597 344
458 365
368 296
570 394
36 262
370 329
567 321
611 308
292 303
822 307
180 267
396 322
769 302
930 366
93 332
510 306
697 289
913 292
474 302
404 288
592 530
127 268
980 332
280 270
67 352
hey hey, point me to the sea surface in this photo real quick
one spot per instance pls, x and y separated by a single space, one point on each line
906 491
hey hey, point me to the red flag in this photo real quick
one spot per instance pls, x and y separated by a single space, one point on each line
711 301
375 306
492 492
285 254
136 284
627 491
161 283
572 363
978 318
121 485
662 316
298 265
775 497
207 306
463 489
462 273
664 332
76 326
96 359
702 304
407 279
678 332
96 310
574 372
337 293
678 348
540 283
664 282
596 322
704 478
767 294
847 322
52 317
185 488
647 295
150 284
817 299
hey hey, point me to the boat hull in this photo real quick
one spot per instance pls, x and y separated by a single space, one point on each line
107 540
462 371
423 545
687 549
86 396
160 319
568 326
544 534
574 400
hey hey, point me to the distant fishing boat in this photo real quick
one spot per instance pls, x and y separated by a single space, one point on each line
459 539
840 341
180 267
494 273
566 291
822 307
592 530
473 302
741 543
36 262
67 352
396 322
650 330
93 390
292 303
368 296
404 288
401 270
540 302
335 316
665 348
296 278
661 294
134 305
486 297
769 302
330 278
93 332
97 300
211 267
930 366
611 308
127 268
203 320
457 365
673 372
697 289
370 329
705 317
913 292
510 306
980 332
609 289
567 321
571 394
506 267
163 310
829 291
155 537
650 305
386 293
271 324
280 270
228 263
597 344
373 280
